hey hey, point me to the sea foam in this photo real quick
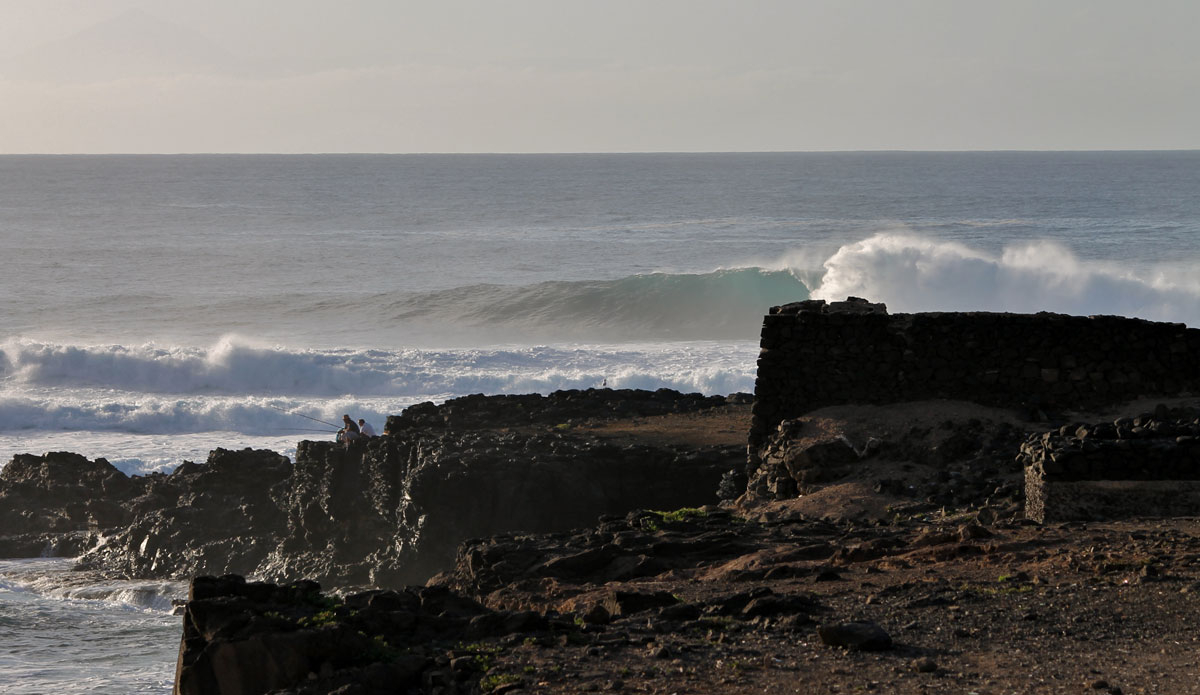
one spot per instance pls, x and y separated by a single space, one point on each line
915 273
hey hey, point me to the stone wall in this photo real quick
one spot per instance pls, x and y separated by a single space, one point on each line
1143 466
816 354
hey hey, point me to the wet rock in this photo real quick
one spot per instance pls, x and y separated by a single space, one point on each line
61 493
223 517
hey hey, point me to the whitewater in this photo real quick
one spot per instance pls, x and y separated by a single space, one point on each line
157 307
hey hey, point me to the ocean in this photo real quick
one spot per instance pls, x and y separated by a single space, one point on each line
157 307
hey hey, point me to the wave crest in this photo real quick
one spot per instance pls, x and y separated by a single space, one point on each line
913 273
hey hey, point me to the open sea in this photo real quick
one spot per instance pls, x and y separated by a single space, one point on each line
157 307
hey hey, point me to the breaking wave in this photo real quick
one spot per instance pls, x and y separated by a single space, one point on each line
723 304
236 386
914 273
239 385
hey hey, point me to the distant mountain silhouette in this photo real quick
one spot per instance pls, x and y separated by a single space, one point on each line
134 44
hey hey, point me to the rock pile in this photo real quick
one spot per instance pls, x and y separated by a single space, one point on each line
963 462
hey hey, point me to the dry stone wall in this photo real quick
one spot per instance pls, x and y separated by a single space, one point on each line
1143 466
816 354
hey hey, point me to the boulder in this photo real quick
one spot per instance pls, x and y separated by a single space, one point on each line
858 635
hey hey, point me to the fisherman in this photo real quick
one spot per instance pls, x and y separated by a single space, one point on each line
365 429
349 432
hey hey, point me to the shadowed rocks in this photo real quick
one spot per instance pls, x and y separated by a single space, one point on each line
385 511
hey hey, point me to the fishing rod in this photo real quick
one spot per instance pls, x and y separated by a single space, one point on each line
304 429
289 412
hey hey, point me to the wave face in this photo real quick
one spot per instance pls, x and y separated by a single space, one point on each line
915 273
723 304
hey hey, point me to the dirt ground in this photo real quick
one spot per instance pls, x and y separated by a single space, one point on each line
1068 609
972 604
726 426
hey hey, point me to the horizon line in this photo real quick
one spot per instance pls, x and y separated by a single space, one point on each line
592 153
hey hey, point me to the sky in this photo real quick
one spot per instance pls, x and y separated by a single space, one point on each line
168 76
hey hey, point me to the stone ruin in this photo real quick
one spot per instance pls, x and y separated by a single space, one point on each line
1143 466
816 354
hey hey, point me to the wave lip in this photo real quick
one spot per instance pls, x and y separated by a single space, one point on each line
912 273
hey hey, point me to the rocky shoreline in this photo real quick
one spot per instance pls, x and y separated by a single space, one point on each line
707 601
381 512
873 548
905 568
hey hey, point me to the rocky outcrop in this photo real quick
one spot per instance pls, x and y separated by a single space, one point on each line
385 511
63 492
559 408
730 605
56 503
393 511
223 514
248 638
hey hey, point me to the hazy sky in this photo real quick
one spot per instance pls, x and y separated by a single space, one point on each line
596 75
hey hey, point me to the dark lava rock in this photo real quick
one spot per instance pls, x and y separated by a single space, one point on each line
863 636
394 511
486 412
62 492
254 637
386 511
221 516
629 602
643 544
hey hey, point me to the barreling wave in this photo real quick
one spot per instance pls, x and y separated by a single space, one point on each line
914 273
723 304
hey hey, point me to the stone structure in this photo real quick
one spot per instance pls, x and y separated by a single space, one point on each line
1143 466
816 354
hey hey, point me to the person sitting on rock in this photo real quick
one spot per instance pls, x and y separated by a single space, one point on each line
365 429
349 432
